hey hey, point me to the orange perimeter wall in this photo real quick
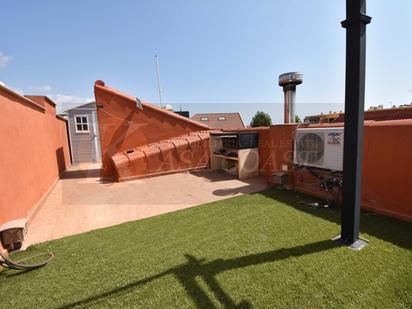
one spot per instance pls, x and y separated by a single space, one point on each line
33 152
387 164
123 126
276 148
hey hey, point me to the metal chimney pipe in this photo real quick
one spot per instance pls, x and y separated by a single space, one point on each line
289 81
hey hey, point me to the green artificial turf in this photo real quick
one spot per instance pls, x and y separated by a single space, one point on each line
262 250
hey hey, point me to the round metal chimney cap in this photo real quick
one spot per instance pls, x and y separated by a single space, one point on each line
291 78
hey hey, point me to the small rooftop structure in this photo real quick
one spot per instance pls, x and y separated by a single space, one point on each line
83 129
168 107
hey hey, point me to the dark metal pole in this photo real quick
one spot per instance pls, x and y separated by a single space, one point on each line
355 24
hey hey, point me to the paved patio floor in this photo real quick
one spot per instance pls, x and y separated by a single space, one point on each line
80 202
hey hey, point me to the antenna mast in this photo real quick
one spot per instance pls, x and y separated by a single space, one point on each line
158 80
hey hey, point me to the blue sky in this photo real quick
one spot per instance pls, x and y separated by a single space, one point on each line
215 56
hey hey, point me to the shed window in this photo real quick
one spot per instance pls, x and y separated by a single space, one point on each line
204 119
221 118
82 123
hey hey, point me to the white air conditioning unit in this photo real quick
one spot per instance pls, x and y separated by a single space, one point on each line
319 147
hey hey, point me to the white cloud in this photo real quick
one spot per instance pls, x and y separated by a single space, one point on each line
44 88
68 99
65 102
4 60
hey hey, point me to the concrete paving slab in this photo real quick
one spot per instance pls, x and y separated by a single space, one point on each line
80 202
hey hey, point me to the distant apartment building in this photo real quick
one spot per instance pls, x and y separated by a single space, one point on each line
322 118
377 113
380 114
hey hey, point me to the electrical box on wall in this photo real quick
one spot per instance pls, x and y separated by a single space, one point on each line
319 147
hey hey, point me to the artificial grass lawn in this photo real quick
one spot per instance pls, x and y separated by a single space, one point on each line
257 250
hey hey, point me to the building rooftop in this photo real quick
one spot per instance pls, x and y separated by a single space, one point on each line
380 114
373 113
84 106
220 120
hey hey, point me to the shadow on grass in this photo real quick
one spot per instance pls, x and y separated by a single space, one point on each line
388 229
187 273
15 273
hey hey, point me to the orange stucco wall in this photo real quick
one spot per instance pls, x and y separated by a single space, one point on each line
123 126
387 168
276 148
33 152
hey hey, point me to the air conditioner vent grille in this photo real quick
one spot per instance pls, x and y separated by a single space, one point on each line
310 148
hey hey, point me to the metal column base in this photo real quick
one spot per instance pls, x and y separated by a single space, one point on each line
356 246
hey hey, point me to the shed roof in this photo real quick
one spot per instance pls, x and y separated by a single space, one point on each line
84 106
